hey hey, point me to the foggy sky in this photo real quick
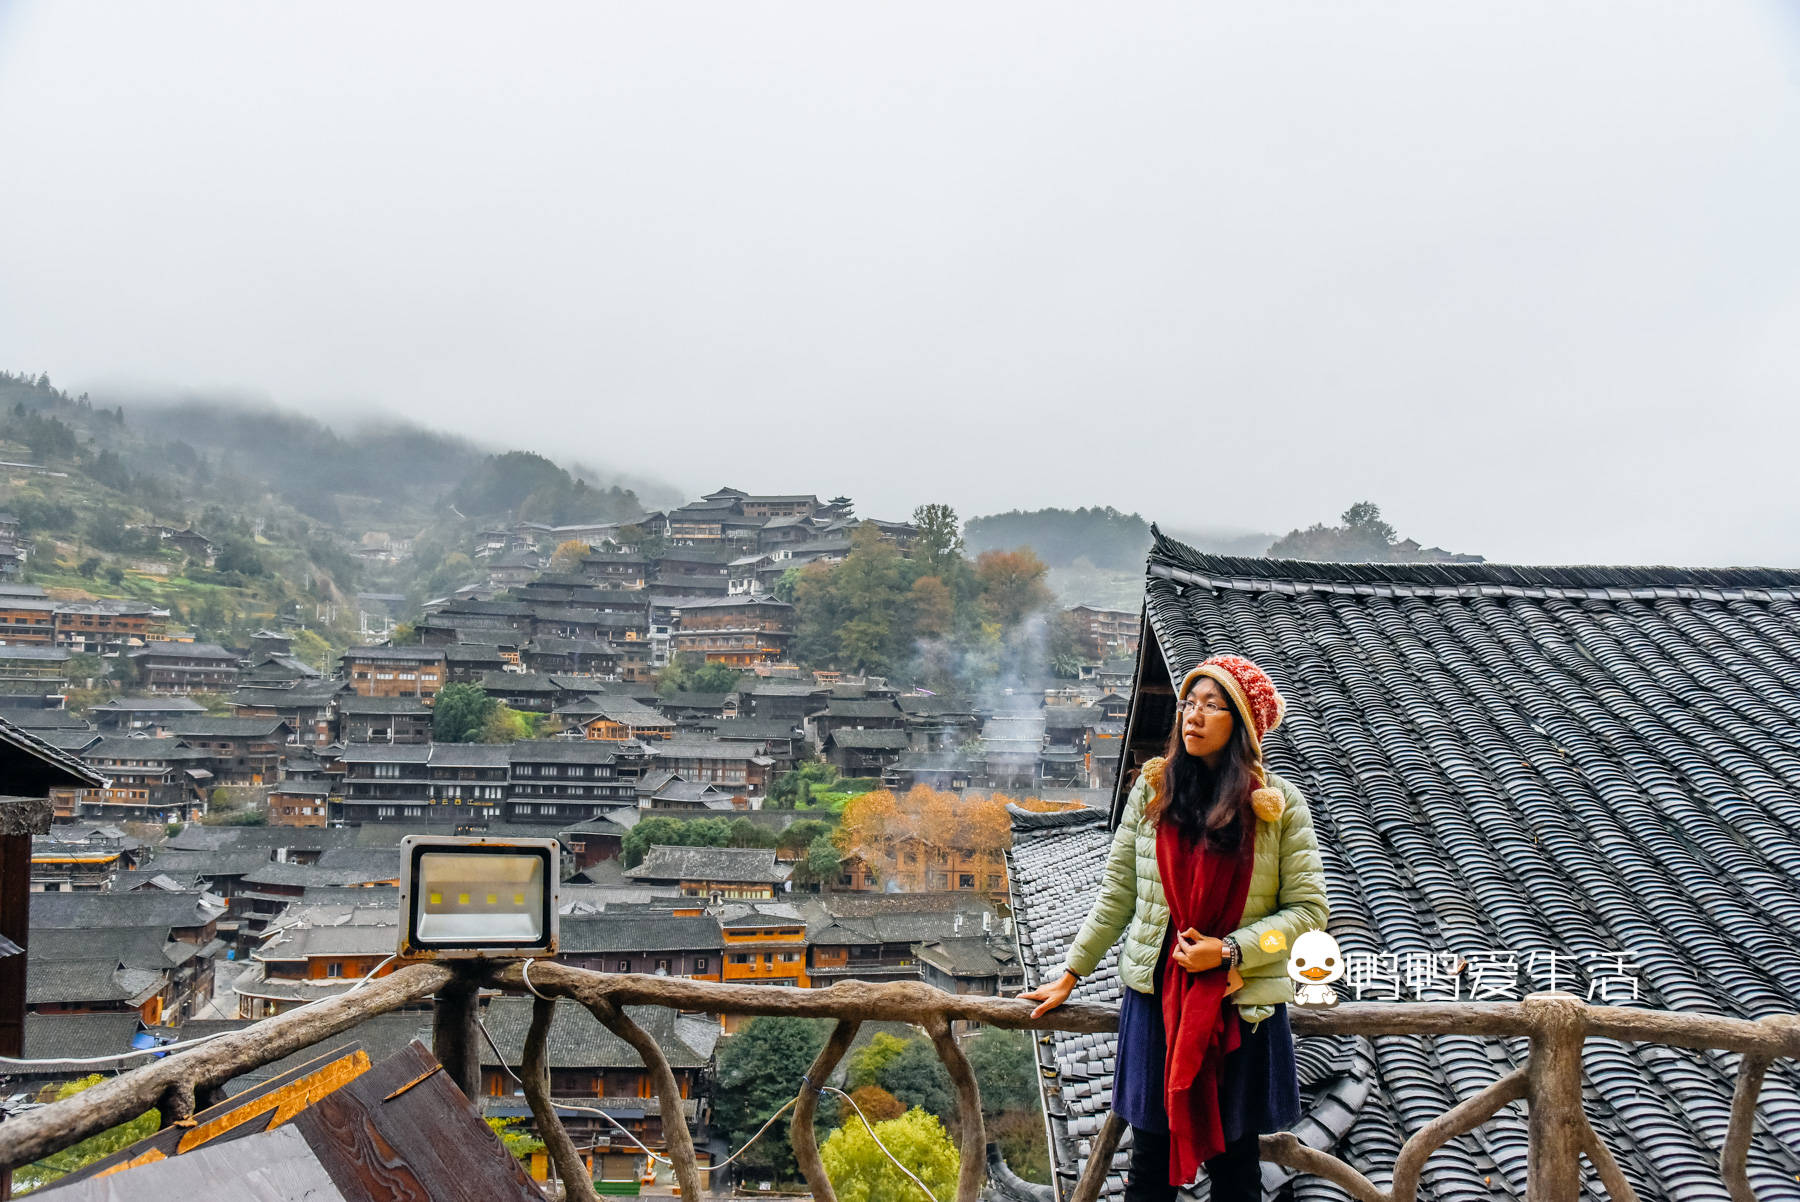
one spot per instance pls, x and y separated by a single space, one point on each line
1527 275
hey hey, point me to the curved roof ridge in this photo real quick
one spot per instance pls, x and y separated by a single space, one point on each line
1181 561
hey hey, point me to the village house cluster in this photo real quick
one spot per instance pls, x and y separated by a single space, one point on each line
579 648
199 928
224 926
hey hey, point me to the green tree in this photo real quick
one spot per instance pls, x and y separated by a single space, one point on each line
673 832
864 1066
855 615
940 543
460 713
1005 1068
690 673
95 1147
1068 645
820 865
714 678
745 833
89 567
1360 537
802 833
1020 1134
861 1172
115 575
918 1078
313 649
759 1069
794 788
503 724
240 555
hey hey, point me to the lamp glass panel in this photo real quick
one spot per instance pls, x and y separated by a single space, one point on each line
464 898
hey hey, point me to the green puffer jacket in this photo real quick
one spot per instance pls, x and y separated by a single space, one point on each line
1287 895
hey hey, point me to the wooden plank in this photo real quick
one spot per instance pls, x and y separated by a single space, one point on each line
247 1109
281 1105
379 1139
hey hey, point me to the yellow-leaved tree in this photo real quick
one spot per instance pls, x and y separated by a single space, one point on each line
568 556
860 1173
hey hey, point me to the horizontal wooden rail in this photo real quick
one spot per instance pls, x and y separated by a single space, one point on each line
172 1082
1549 1083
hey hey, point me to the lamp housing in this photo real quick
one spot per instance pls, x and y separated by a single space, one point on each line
467 898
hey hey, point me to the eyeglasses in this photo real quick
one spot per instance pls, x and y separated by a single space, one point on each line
1211 709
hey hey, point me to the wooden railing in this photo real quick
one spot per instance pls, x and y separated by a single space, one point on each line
1556 1025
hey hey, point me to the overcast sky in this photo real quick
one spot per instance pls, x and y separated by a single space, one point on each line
1527 275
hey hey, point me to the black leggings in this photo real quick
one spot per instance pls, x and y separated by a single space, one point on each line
1235 1173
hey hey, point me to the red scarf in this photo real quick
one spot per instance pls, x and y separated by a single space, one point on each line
1205 890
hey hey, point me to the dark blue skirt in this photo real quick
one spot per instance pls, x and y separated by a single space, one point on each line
1258 1088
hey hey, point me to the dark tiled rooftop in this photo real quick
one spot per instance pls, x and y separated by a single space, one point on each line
1576 760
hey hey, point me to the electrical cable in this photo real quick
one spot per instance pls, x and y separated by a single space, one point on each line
182 1045
884 1149
555 1105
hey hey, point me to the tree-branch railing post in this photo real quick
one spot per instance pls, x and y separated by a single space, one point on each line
455 1035
1554 1117
800 1131
676 1136
968 1109
1100 1157
534 1075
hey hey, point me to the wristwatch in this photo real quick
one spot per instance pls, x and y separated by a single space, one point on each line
1230 952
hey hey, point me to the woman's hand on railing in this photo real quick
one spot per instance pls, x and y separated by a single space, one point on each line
1196 952
1051 995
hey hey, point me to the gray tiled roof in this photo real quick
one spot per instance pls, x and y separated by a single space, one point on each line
97 979
93 910
352 704
1580 760
225 728
853 708
1055 869
152 705
634 933
870 740
386 868
76 1036
562 751
744 864
134 947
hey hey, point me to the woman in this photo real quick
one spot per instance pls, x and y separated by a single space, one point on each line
1215 870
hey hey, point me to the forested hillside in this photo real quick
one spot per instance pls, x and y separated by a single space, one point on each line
1096 556
288 502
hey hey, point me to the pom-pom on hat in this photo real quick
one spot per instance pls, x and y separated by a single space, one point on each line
1257 703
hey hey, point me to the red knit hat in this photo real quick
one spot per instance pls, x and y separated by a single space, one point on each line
1258 704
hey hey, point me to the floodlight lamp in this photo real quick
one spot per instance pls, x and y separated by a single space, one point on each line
471 898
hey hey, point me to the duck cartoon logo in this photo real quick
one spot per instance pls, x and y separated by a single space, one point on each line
1316 963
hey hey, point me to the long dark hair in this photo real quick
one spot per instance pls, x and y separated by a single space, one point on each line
1204 803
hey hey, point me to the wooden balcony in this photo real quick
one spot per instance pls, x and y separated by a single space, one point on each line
1549 1084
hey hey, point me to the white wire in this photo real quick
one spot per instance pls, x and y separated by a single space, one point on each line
183 1045
759 1132
554 1105
884 1150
